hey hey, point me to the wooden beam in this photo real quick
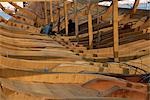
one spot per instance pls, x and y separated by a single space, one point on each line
61 78
76 21
98 14
51 11
90 28
45 6
19 18
66 16
58 17
135 6
115 31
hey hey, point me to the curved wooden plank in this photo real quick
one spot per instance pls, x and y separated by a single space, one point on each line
51 66
18 31
51 53
23 36
28 42
20 26
59 78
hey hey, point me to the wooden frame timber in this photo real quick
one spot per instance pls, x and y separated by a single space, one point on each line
66 16
76 21
45 11
51 11
115 30
90 27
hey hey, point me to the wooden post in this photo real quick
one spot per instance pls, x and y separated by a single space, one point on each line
46 19
136 3
98 20
90 28
66 16
76 21
115 31
58 13
51 11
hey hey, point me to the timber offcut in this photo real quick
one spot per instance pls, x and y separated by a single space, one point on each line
74 50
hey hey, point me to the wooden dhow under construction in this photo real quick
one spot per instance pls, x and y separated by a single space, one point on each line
107 58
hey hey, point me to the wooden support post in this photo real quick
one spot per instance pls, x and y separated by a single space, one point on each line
98 20
135 6
66 16
51 11
58 13
90 28
115 31
76 21
45 6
